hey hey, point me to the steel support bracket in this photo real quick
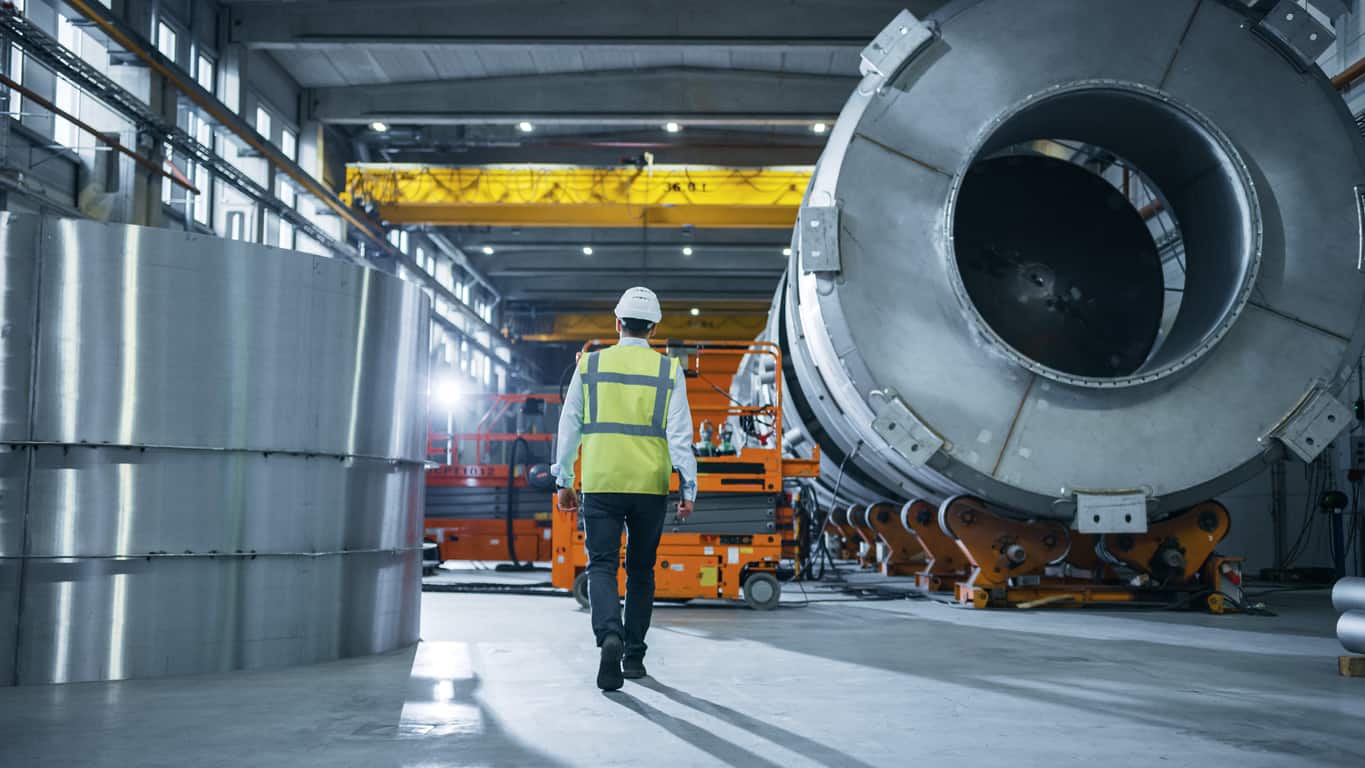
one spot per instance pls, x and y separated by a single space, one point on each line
820 239
1292 28
905 431
1111 512
1360 226
899 42
1313 423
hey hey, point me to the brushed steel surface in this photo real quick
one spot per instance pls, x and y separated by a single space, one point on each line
1259 161
1348 594
222 467
199 341
96 619
17 288
1351 631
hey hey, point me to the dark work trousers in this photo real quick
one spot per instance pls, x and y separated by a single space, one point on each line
603 516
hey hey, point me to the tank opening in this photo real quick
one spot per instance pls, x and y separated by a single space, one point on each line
1088 219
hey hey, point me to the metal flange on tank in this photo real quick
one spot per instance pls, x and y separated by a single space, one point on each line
1084 254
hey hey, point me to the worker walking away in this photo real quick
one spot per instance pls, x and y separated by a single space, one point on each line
627 404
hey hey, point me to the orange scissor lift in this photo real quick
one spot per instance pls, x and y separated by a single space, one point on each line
744 526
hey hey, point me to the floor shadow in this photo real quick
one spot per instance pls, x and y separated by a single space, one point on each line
721 749
814 750
1006 662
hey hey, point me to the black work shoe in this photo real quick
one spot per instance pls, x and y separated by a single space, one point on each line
633 668
609 668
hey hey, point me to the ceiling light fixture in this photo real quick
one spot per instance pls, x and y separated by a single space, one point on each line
587 250
672 127
695 312
786 251
525 127
819 128
687 250
379 127
488 250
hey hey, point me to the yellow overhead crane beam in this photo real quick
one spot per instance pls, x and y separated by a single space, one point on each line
712 325
569 196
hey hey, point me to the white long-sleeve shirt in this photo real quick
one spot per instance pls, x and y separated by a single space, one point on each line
678 428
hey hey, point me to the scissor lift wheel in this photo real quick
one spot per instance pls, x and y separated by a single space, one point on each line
580 589
762 591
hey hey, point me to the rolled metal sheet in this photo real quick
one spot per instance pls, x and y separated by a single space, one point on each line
1351 631
879 326
1349 594
212 454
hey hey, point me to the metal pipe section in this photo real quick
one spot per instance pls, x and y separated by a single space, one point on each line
211 454
1351 631
1348 594
964 313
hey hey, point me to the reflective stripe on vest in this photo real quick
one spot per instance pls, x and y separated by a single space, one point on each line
662 383
625 441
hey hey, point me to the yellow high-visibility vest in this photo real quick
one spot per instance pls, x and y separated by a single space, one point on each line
626 390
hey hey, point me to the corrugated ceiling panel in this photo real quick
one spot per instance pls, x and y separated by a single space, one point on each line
404 64
311 69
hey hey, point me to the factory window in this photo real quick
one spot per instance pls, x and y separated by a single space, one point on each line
68 97
232 89
289 144
203 202
204 72
286 193
263 122
236 225
16 72
398 239
168 186
286 234
289 196
166 40
199 174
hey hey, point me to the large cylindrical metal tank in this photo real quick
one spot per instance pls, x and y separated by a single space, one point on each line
969 309
210 454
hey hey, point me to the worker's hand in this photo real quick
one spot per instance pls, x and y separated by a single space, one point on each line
568 500
684 510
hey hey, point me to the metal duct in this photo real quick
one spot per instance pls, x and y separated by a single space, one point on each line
1348 594
1351 631
957 319
210 454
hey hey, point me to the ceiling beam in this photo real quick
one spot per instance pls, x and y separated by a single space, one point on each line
691 96
570 22
577 288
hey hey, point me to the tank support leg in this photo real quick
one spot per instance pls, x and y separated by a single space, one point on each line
904 555
944 563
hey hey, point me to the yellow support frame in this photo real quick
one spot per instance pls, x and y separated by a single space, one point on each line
568 196
677 324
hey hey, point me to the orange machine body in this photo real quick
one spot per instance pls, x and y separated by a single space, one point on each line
694 564
473 466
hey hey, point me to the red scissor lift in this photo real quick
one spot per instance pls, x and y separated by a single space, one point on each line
478 474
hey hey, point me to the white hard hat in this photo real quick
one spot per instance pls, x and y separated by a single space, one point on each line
639 304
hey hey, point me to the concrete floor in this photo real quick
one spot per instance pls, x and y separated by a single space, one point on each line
508 681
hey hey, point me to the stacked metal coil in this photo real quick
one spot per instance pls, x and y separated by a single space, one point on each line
211 454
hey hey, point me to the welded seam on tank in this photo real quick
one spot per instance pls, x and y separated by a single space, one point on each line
898 153
267 452
1300 321
38 261
1009 435
234 555
1180 44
